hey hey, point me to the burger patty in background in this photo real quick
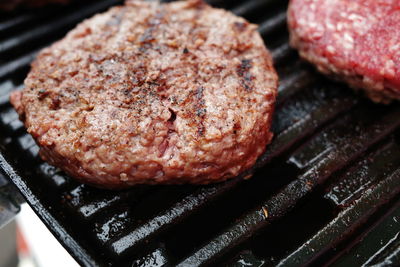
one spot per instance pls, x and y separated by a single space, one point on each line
356 41
152 93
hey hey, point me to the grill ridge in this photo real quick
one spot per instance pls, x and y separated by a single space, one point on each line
324 135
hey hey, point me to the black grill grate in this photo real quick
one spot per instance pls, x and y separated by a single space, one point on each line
330 178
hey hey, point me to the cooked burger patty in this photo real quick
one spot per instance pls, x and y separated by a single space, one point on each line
151 93
357 41
12 4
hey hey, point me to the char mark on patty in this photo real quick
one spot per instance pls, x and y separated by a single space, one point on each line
243 70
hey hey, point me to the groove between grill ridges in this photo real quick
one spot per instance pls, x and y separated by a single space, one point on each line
253 5
14 22
273 24
293 83
17 64
5 95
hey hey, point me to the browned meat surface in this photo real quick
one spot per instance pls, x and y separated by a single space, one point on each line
356 41
152 93
12 4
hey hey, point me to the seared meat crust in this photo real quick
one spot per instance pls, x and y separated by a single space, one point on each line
152 93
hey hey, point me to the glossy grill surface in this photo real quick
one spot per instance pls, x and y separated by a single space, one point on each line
325 192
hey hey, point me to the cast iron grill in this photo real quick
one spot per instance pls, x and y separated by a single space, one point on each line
325 192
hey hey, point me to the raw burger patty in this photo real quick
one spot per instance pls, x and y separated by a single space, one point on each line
11 4
357 41
152 93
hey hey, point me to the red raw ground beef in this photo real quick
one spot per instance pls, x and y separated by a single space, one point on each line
356 41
